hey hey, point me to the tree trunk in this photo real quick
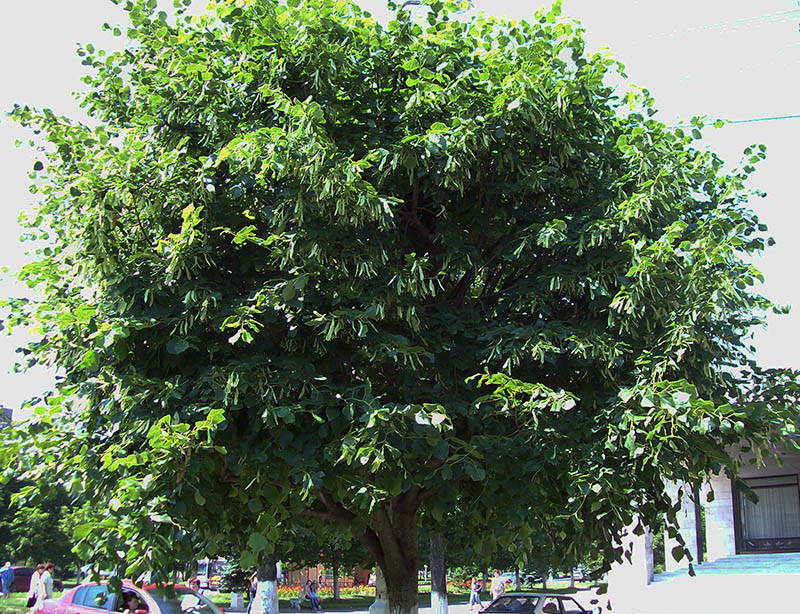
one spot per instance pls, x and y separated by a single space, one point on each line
485 577
266 599
518 584
699 525
438 575
392 540
335 565
572 577
403 593
398 556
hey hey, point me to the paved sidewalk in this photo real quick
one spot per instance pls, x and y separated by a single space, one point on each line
584 597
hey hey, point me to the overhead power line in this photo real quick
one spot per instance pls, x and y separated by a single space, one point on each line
761 119
746 121
748 22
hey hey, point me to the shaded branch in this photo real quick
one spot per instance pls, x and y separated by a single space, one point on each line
338 513
413 218
508 284
385 533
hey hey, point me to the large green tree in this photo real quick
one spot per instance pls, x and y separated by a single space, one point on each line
303 263
38 530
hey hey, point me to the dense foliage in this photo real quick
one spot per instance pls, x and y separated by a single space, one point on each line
307 264
39 530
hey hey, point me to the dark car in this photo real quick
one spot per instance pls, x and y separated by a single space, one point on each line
536 603
97 598
22 580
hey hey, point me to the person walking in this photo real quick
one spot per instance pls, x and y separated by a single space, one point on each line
6 579
48 581
475 595
498 584
35 590
252 589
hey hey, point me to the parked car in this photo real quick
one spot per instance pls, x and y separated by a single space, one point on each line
536 603
97 598
22 580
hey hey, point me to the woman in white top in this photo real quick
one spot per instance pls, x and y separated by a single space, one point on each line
36 588
46 591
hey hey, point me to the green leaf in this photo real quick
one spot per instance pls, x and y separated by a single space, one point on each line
248 559
177 346
82 530
257 542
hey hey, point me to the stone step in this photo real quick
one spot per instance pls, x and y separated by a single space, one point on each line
783 563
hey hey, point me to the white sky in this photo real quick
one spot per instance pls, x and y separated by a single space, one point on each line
732 59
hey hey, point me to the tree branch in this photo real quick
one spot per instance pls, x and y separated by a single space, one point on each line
460 289
343 516
412 217
508 284
386 534
317 514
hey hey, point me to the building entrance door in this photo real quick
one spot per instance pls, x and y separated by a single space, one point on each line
772 524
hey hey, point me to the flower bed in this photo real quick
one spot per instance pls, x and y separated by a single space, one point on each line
293 592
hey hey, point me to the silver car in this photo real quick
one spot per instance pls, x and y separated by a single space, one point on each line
536 603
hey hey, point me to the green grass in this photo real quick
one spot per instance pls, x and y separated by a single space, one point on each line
363 602
14 604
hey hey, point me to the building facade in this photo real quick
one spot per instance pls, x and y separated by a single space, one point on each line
764 520
724 521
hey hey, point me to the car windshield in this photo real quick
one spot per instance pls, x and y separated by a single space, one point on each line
184 601
510 603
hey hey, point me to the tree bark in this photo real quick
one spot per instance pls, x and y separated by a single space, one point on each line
699 525
266 599
403 593
438 575
335 565
396 530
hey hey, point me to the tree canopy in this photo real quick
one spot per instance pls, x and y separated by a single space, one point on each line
302 263
38 531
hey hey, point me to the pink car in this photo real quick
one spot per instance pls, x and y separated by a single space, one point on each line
98 599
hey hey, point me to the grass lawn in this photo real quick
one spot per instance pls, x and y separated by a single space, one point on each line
361 602
14 604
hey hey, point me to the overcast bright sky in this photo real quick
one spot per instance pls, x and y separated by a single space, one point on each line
731 59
